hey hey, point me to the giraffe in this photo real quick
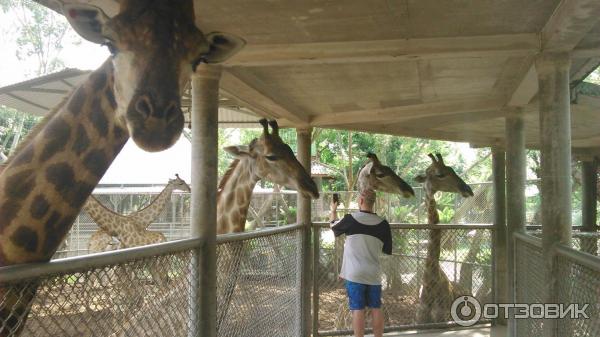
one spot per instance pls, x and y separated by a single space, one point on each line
265 158
154 45
437 293
113 224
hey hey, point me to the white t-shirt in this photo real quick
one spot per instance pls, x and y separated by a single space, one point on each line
367 236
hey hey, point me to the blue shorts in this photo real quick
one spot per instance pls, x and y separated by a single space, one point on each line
361 295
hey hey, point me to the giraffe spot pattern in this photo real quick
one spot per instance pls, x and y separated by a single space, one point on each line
24 157
9 209
96 162
57 134
19 185
39 207
74 192
82 141
55 236
97 117
25 237
77 101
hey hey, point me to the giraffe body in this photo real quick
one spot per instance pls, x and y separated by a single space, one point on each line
129 230
437 292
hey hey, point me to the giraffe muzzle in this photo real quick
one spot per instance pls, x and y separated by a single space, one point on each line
154 127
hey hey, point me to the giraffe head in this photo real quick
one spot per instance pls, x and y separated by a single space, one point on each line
155 45
439 177
376 176
179 184
274 161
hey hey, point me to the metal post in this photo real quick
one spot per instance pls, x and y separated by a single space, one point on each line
303 217
589 191
205 103
516 172
315 279
499 235
555 137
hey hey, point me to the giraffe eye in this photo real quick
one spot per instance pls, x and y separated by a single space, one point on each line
440 175
271 158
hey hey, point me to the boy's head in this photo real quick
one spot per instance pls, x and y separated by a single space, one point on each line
366 200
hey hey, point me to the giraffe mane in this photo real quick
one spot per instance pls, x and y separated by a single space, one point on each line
227 175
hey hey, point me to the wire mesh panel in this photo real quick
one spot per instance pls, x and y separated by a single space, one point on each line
259 286
529 283
580 284
465 259
144 297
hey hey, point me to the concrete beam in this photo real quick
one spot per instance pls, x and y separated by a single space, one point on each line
242 92
386 50
555 139
569 23
454 119
407 112
589 194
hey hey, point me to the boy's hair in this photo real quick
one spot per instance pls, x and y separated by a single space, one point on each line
368 197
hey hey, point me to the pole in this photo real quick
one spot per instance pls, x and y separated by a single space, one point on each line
555 137
500 236
205 104
304 218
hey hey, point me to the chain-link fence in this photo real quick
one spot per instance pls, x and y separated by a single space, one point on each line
530 281
146 291
579 282
465 259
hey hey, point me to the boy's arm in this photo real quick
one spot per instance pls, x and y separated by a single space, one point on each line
340 227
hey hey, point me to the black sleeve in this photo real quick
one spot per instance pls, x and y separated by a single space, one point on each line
342 226
387 239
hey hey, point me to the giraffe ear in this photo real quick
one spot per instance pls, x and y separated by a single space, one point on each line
222 46
87 21
420 178
237 151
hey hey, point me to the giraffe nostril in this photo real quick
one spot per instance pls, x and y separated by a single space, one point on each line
143 105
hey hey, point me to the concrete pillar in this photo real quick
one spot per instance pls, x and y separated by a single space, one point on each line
303 216
555 137
516 173
500 236
205 104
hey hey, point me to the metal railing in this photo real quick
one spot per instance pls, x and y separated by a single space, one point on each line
466 260
145 291
578 282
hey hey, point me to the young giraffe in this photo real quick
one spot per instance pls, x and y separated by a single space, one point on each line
113 224
155 45
266 158
437 293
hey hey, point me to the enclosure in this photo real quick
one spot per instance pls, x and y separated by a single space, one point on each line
506 75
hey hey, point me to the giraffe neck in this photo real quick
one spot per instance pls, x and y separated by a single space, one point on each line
233 197
106 219
435 235
148 214
46 183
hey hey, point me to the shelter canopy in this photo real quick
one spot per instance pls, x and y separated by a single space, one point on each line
426 68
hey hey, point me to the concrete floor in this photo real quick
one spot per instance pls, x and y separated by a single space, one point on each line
474 332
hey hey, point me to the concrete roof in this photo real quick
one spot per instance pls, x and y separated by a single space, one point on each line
421 68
